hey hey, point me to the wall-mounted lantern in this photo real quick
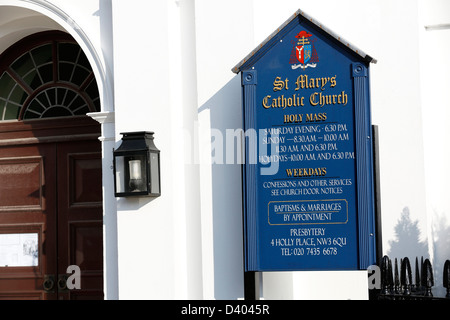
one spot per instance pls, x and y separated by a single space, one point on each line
137 166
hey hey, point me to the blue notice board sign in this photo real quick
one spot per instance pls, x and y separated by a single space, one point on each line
308 173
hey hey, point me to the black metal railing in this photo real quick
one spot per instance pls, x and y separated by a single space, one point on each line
399 285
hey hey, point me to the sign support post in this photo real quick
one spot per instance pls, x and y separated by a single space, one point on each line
252 285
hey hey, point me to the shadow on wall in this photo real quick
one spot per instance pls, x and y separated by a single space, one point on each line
407 239
226 114
407 244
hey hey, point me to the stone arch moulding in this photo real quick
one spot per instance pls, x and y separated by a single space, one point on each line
62 18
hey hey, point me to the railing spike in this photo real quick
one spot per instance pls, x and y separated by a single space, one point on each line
427 277
447 278
406 276
396 278
390 276
385 277
417 274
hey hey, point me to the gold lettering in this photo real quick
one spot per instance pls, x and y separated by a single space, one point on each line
306 172
289 102
293 118
324 82
304 82
320 99
301 82
344 98
282 101
316 117
312 99
333 82
279 85
265 101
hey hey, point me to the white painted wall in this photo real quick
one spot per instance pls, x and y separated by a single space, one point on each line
165 66
435 83
158 249
395 97
409 109
213 37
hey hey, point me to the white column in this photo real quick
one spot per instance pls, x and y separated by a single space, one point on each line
110 256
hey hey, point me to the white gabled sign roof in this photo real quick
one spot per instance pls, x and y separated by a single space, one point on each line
301 13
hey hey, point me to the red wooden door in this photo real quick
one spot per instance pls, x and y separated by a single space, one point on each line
27 218
50 209
80 227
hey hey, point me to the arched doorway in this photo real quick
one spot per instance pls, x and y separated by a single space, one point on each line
50 170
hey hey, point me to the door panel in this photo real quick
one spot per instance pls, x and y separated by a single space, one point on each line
22 183
80 227
27 215
83 169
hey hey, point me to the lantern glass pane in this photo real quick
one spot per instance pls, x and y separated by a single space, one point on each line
154 172
131 174
120 174
136 173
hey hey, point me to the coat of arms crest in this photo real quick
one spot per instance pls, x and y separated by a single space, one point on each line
304 53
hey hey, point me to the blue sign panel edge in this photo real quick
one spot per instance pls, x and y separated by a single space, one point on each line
364 165
249 82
